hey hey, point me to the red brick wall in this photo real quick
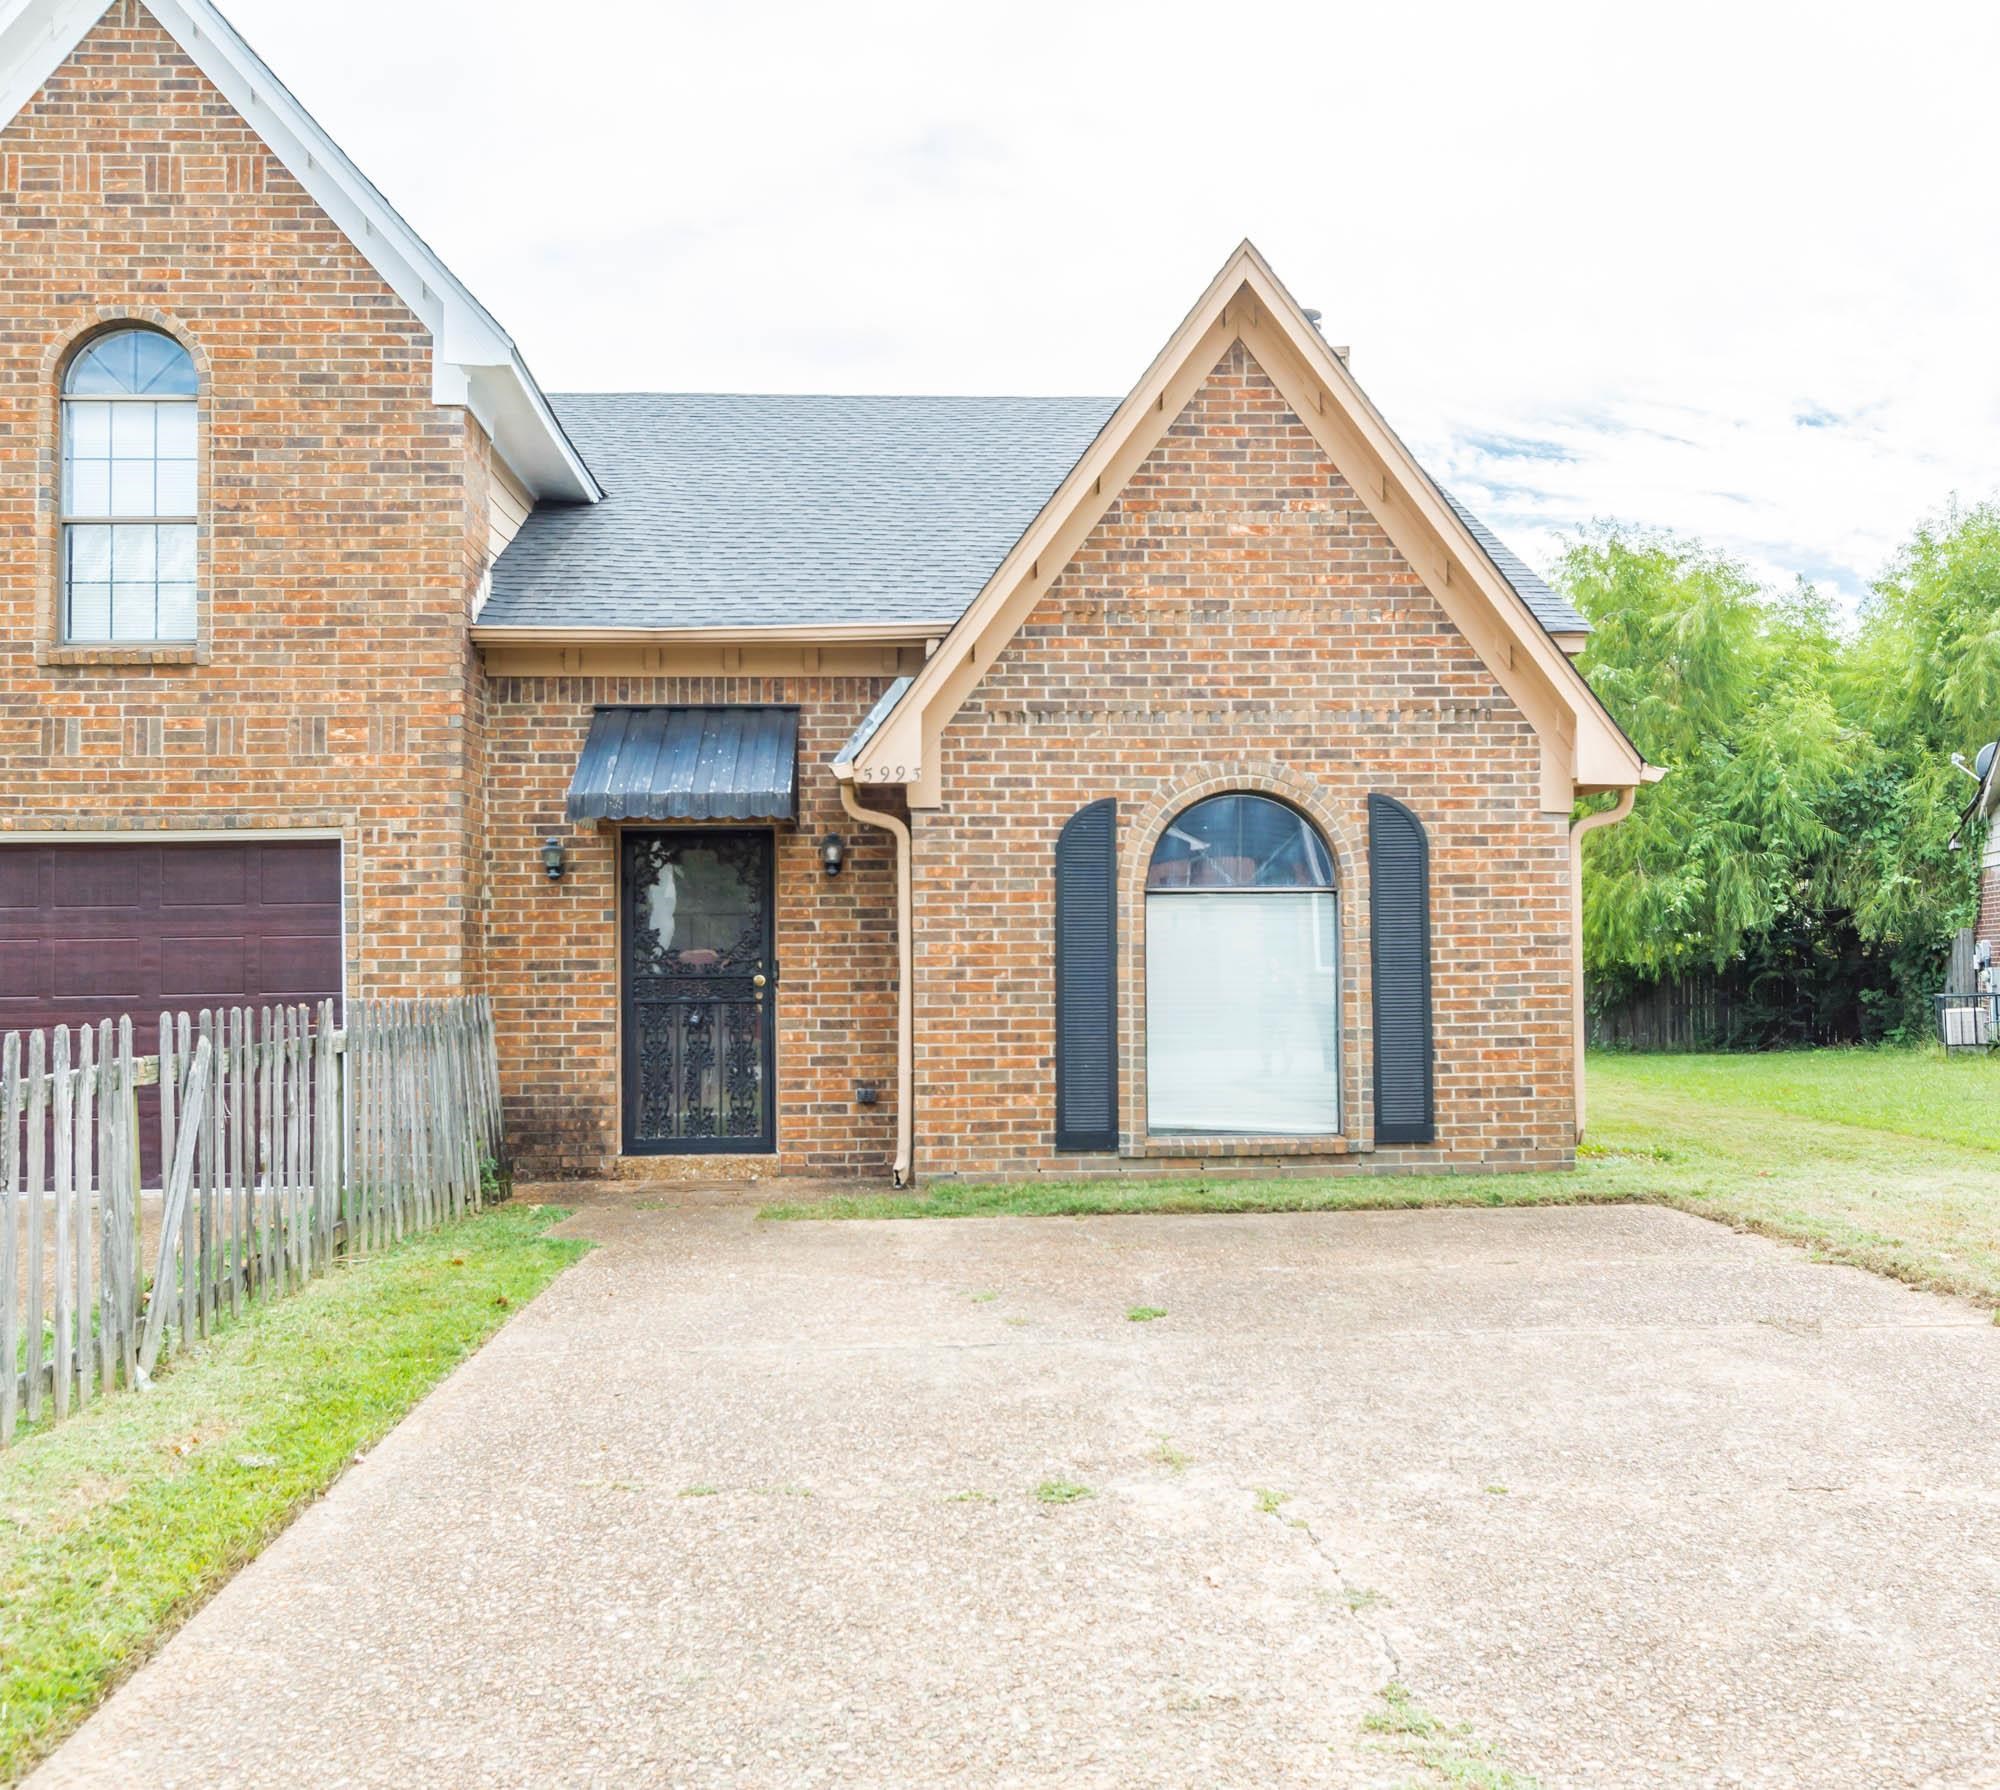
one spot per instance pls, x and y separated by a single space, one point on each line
332 687
1239 620
552 948
1987 926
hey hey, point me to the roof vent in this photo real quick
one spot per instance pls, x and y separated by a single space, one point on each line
1313 318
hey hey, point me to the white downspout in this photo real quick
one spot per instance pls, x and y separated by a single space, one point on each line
905 908
1587 824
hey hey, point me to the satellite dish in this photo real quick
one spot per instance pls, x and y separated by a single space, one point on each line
1983 760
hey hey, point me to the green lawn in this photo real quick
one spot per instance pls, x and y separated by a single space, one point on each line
1889 1159
117 1524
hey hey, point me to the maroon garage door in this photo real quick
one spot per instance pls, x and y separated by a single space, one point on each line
88 932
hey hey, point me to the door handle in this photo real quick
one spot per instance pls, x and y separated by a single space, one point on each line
756 981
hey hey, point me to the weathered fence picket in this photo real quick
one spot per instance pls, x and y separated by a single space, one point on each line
31 1271
65 1212
10 1216
285 1143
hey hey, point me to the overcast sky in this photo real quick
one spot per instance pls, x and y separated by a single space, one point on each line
1732 269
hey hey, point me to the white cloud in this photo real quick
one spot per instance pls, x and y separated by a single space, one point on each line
1655 237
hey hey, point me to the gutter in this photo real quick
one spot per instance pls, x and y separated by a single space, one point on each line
905 909
780 633
1589 823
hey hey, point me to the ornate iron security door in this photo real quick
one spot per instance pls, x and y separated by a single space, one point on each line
700 982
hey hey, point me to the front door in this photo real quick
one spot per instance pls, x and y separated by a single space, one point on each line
700 982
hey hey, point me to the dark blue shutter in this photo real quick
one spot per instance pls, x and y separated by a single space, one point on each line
1399 925
1087 979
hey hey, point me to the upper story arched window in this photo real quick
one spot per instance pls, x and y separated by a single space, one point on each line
1242 1000
129 490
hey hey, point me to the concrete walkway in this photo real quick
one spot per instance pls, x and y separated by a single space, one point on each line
1639 1500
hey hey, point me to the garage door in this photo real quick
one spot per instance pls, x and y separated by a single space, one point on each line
88 932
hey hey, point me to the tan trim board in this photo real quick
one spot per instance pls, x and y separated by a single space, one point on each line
838 633
1602 747
1246 301
862 659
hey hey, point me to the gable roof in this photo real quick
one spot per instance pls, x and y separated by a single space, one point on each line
1583 748
728 510
1553 610
474 360
731 510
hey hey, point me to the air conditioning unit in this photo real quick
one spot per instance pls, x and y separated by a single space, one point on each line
1968 1027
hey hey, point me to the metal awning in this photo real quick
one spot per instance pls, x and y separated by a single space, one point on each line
724 763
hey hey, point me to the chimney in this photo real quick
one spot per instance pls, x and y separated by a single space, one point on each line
1313 318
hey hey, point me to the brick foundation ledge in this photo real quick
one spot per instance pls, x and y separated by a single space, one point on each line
1198 1148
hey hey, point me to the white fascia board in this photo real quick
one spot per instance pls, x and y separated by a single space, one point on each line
511 409
472 357
34 38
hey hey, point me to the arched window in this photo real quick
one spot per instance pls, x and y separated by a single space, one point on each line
128 490
1242 1001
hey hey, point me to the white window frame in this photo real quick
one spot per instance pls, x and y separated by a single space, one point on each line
66 520
1324 965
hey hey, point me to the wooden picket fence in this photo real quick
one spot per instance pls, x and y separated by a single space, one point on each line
283 1144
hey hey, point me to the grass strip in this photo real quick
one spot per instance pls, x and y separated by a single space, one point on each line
118 1524
1862 1156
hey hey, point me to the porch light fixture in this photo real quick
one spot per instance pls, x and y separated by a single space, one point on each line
552 857
833 853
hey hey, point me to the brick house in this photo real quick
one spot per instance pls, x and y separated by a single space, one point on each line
816 784
1981 820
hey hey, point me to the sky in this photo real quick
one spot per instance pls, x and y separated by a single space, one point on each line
1727 270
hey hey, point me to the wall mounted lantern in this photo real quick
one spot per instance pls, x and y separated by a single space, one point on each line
552 857
833 853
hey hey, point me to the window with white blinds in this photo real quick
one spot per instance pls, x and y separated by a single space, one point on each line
1242 992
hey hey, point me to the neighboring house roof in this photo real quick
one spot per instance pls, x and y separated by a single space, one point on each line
765 511
474 361
727 510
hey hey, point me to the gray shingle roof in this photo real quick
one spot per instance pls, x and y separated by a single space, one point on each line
728 510
1554 612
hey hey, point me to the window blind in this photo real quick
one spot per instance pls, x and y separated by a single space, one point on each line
1242 1013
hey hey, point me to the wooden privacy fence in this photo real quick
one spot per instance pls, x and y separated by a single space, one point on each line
1683 1013
283 1143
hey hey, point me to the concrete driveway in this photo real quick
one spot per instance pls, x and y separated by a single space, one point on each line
1637 1500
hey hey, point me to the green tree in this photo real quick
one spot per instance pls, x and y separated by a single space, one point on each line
1732 691
1925 668
1921 679
1799 843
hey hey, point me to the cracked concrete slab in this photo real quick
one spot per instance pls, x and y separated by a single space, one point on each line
735 1503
